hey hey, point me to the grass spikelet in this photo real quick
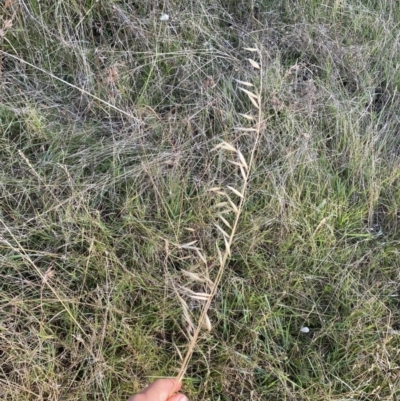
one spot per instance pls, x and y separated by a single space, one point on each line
233 206
255 102
243 173
251 49
207 323
222 231
241 166
227 246
254 63
226 211
243 160
190 245
249 93
222 204
215 189
201 256
235 191
254 99
244 129
225 146
247 116
186 316
225 222
235 163
199 297
220 257
244 83
193 276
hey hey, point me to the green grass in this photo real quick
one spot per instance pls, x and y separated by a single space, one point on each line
93 202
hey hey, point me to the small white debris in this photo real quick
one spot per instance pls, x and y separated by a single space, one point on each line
304 330
164 17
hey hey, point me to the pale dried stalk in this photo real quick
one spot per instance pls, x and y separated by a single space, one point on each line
204 320
94 97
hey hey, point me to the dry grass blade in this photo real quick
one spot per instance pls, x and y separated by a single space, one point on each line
250 49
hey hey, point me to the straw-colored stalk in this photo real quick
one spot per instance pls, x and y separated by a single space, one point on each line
227 230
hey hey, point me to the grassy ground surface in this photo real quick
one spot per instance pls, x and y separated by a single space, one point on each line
107 119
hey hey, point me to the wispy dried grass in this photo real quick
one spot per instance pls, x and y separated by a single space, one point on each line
233 207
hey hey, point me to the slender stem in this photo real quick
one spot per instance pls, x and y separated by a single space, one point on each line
70 85
225 256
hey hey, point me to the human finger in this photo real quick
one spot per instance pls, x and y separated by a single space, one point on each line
178 397
160 390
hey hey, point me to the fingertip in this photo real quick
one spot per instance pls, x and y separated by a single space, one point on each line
162 389
178 397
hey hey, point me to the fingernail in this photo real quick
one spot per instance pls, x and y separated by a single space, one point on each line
182 398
